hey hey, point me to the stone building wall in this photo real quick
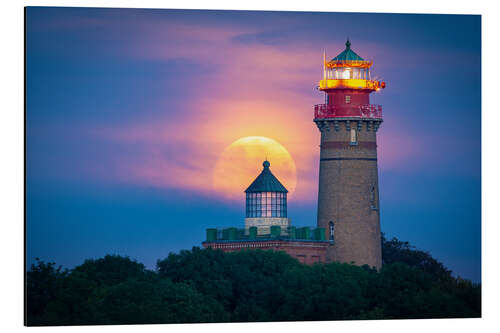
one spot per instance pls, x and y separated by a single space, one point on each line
264 224
306 252
348 191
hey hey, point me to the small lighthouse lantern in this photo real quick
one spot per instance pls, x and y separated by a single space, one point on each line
266 196
266 203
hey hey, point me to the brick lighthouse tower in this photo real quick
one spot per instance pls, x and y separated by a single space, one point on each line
348 201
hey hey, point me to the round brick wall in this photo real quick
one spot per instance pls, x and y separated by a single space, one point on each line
348 191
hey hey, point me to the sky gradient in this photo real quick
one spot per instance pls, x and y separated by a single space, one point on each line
129 110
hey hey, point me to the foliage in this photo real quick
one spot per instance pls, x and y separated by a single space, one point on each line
395 250
43 281
253 285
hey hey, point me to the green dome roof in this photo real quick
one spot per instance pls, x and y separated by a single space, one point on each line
266 182
348 54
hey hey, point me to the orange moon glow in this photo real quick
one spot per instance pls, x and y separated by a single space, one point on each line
241 162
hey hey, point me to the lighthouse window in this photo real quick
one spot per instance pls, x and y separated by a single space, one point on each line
355 73
266 204
354 137
346 74
332 231
348 99
373 198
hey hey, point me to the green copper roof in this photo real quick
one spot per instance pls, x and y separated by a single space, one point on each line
348 54
266 182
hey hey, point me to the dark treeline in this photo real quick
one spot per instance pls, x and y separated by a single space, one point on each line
212 286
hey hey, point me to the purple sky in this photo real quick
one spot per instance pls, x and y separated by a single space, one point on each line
129 110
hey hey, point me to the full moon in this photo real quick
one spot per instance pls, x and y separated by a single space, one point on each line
241 162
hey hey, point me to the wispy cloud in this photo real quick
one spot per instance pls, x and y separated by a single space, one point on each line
244 81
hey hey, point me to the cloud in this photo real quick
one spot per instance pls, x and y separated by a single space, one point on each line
254 87
255 90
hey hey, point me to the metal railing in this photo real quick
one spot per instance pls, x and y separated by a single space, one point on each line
369 111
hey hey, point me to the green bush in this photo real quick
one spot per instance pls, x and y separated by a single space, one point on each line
204 285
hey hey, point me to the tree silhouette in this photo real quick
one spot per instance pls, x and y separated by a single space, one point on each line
205 285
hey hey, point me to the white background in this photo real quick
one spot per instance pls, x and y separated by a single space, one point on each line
12 162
